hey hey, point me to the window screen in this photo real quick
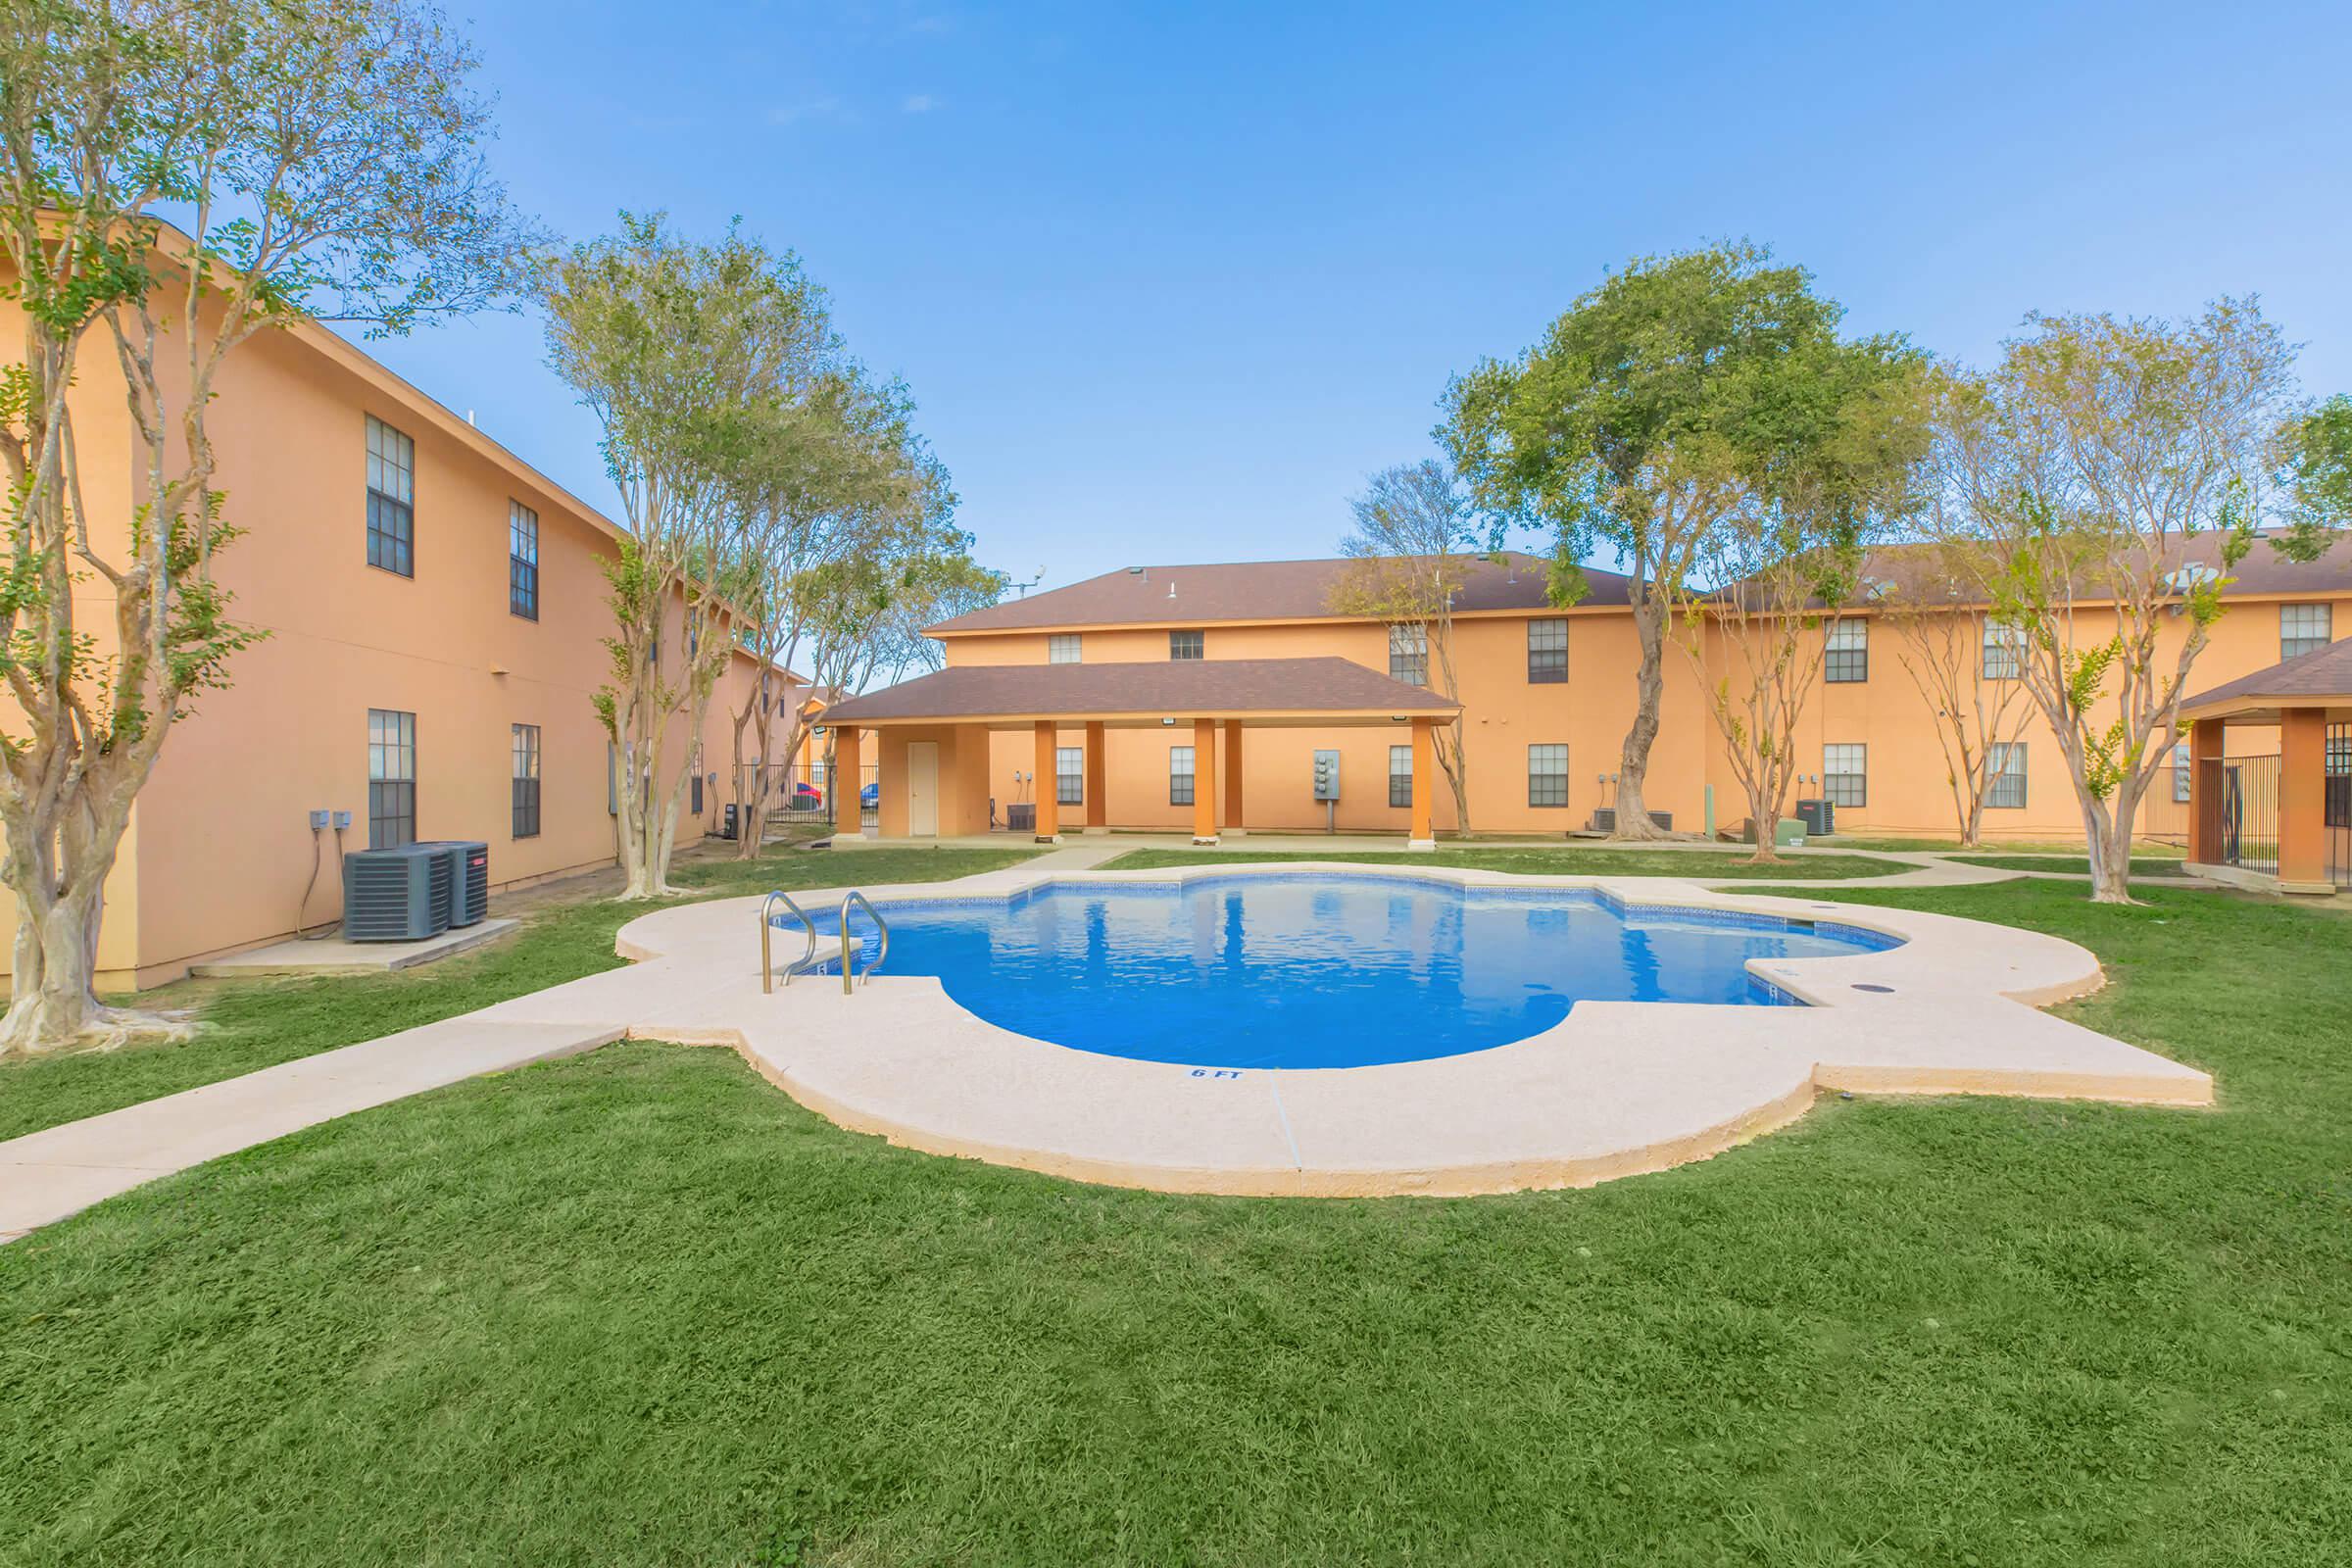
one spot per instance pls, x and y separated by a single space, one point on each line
1845 775
1186 645
1062 648
391 779
391 498
523 561
1408 654
1180 775
2303 630
1547 775
1400 775
2005 767
527 782
1548 651
2004 651
1848 655
1069 776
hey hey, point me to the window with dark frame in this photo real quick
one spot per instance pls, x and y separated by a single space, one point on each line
1065 648
527 782
1400 775
391 498
523 561
2304 629
1408 653
1069 776
1847 651
1548 651
2005 773
391 779
1547 775
2004 651
1845 775
1180 775
1187 645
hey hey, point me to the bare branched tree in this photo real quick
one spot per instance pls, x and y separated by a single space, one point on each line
1414 542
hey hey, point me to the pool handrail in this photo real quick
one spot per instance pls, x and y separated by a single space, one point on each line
808 958
848 980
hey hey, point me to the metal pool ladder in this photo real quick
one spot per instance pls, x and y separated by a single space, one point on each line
799 966
848 979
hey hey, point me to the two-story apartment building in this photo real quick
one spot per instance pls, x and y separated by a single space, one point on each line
434 611
1547 695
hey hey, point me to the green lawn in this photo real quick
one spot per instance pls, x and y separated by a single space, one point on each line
258 1024
2160 865
1700 865
639 1307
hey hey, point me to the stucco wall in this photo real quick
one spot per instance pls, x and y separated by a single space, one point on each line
220 850
1590 713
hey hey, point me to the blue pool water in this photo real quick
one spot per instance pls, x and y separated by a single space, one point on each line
1324 972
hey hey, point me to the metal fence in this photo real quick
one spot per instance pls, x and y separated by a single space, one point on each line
2337 815
802 795
2240 797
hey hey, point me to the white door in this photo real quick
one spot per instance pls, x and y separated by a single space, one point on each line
922 789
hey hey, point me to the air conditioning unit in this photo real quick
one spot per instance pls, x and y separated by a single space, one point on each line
397 895
1819 817
468 878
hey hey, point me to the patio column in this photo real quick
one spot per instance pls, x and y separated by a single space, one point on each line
2303 801
1425 764
1233 779
2207 742
1097 780
1205 781
1049 785
845 767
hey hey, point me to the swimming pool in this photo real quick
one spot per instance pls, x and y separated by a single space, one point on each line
1323 970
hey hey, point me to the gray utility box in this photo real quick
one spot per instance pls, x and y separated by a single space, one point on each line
1327 776
468 878
399 895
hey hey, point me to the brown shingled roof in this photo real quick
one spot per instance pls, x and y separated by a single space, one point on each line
1252 590
2321 677
1197 688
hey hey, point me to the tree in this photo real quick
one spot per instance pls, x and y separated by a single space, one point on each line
2078 473
1845 437
2316 461
1941 627
325 160
1408 558
695 358
1644 417
843 459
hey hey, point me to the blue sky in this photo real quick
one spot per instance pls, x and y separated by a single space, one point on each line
1169 282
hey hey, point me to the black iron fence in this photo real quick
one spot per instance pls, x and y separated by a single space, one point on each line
2239 798
802 795
2337 815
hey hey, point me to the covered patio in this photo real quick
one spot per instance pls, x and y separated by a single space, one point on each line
2281 820
930 735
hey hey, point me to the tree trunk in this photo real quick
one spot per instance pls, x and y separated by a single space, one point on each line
1632 813
2110 844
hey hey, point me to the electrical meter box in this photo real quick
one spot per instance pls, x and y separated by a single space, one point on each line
1327 776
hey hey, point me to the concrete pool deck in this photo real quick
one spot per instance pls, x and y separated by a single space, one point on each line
1616 1089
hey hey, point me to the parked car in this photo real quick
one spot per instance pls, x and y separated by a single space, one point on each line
869 796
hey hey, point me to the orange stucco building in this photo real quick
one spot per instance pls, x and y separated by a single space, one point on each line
1546 696
434 609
